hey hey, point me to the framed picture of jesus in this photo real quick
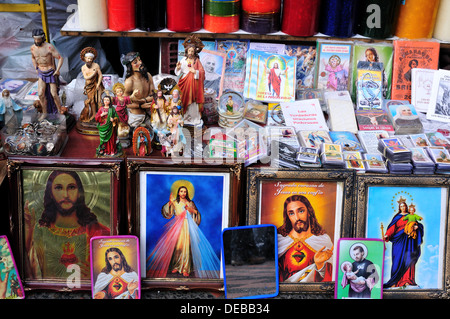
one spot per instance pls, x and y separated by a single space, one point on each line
180 213
311 210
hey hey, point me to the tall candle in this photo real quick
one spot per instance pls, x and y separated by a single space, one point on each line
376 18
93 15
184 15
442 27
261 16
261 6
151 15
416 19
337 17
121 15
300 17
221 16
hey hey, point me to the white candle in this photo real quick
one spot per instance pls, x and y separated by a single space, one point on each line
93 15
442 26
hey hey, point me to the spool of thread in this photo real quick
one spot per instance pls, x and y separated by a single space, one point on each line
221 16
442 26
151 15
184 15
376 18
337 18
121 15
300 17
93 15
416 19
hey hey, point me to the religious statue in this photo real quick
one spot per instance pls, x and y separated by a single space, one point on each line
121 103
175 100
139 86
160 112
142 142
108 119
229 105
175 124
43 56
9 109
93 87
191 82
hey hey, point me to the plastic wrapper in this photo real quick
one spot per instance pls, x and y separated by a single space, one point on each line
36 135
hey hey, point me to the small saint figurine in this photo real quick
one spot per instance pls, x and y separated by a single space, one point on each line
93 88
8 109
43 55
121 102
142 141
139 86
107 123
191 82
159 113
175 100
229 105
175 124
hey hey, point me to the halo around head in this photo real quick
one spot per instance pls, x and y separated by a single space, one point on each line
182 182
363 246
90 51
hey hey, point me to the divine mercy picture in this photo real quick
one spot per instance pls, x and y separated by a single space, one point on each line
307 216
182 218
411 222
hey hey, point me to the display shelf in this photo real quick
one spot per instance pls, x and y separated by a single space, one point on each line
238 35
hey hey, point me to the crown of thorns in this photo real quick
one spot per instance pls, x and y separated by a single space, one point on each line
195 41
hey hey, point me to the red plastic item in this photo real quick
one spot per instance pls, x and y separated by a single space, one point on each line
184 15
221 24
121 15
300 17
262 6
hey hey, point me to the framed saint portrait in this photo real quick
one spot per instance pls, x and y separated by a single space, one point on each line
57 207
179 213
359 270
311 210
115 267
410 213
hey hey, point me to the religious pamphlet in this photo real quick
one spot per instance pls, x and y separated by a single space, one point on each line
407 56
333 65
304 115
270 77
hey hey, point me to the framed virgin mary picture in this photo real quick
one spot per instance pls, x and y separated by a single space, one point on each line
311 210
179 213
58 206
410 214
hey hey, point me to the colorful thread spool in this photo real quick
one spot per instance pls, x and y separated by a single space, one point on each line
300 17
184 15
337 18
376 18
93 15
416 19
221 16
121 15
442 26
151 15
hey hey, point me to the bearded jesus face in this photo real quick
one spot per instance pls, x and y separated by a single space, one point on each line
114 260
298 215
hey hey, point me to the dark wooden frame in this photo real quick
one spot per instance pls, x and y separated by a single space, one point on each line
15 168
136 165
362 184
255 176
